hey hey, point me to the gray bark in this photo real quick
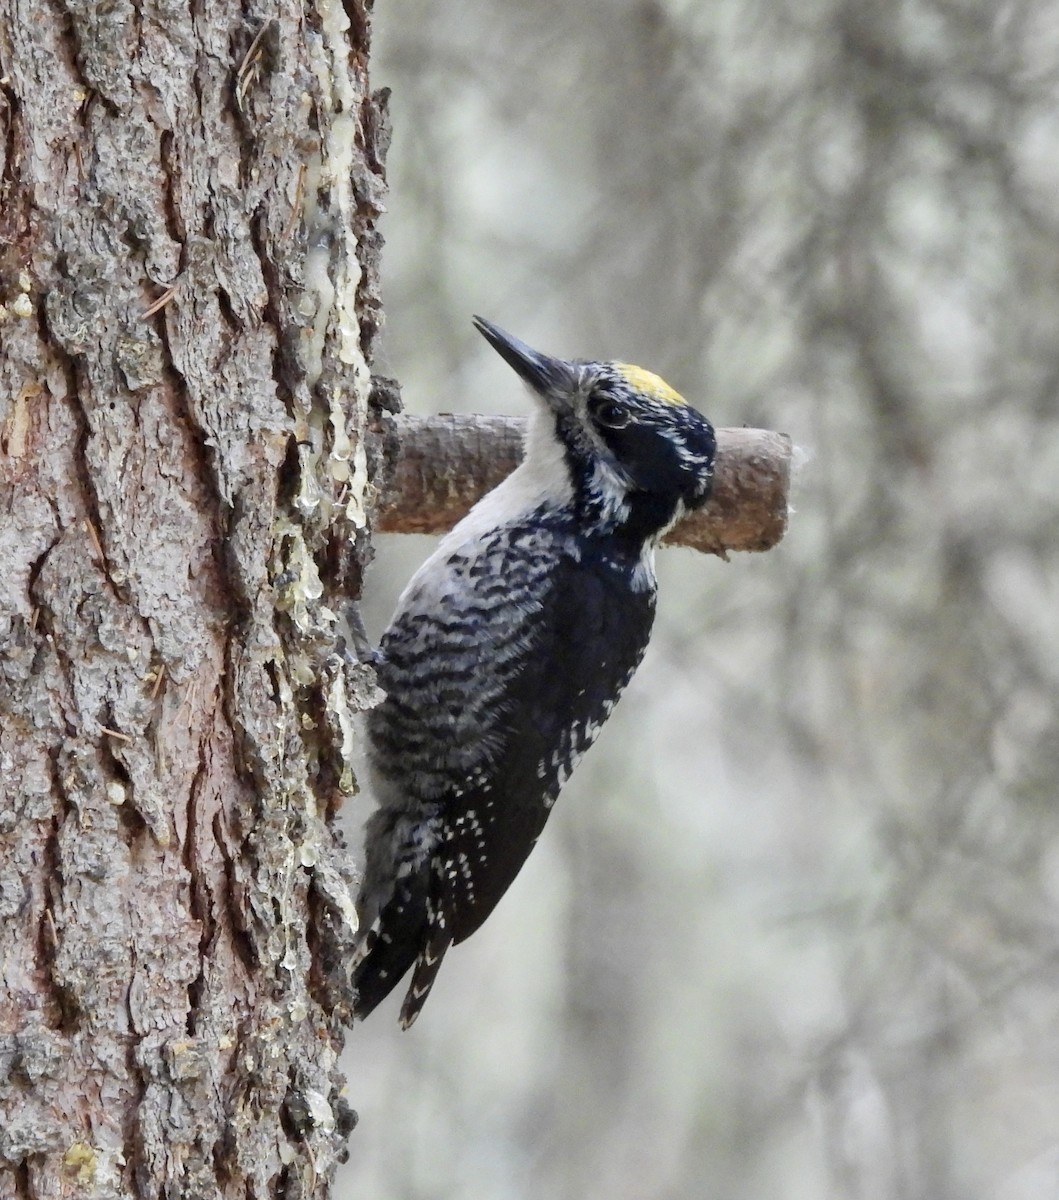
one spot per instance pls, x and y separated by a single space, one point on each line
188 305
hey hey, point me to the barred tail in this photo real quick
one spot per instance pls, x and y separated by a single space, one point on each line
409 931
388 949
428 963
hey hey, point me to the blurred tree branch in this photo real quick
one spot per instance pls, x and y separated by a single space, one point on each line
444 464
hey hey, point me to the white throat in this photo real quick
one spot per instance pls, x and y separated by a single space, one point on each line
541 478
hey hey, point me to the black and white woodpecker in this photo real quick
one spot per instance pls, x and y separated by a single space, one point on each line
509 649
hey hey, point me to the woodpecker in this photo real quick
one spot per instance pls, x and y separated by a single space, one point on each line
509 649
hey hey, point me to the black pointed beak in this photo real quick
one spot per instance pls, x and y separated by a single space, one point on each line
549 377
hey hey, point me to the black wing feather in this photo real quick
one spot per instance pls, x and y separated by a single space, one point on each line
588 639
499 669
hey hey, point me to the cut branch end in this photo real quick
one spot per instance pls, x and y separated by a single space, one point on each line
446 463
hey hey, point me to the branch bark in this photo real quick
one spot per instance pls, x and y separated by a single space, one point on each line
444 464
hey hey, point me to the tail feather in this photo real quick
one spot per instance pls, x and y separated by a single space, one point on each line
388 950
411 932
428 963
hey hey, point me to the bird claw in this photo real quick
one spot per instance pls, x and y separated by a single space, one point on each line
358 648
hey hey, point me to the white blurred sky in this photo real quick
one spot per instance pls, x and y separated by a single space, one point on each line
790 930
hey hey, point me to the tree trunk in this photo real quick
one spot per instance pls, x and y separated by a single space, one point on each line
189 303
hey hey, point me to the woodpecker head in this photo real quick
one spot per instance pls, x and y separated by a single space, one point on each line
637 454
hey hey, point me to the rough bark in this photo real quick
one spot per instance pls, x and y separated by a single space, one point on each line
187 309
188 306
443 464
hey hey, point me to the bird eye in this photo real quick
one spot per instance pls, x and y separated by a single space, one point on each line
611 414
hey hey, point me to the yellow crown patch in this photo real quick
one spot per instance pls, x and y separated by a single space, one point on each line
650 384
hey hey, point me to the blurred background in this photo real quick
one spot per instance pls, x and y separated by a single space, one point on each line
793 929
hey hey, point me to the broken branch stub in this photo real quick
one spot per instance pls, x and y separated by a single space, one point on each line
446 463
